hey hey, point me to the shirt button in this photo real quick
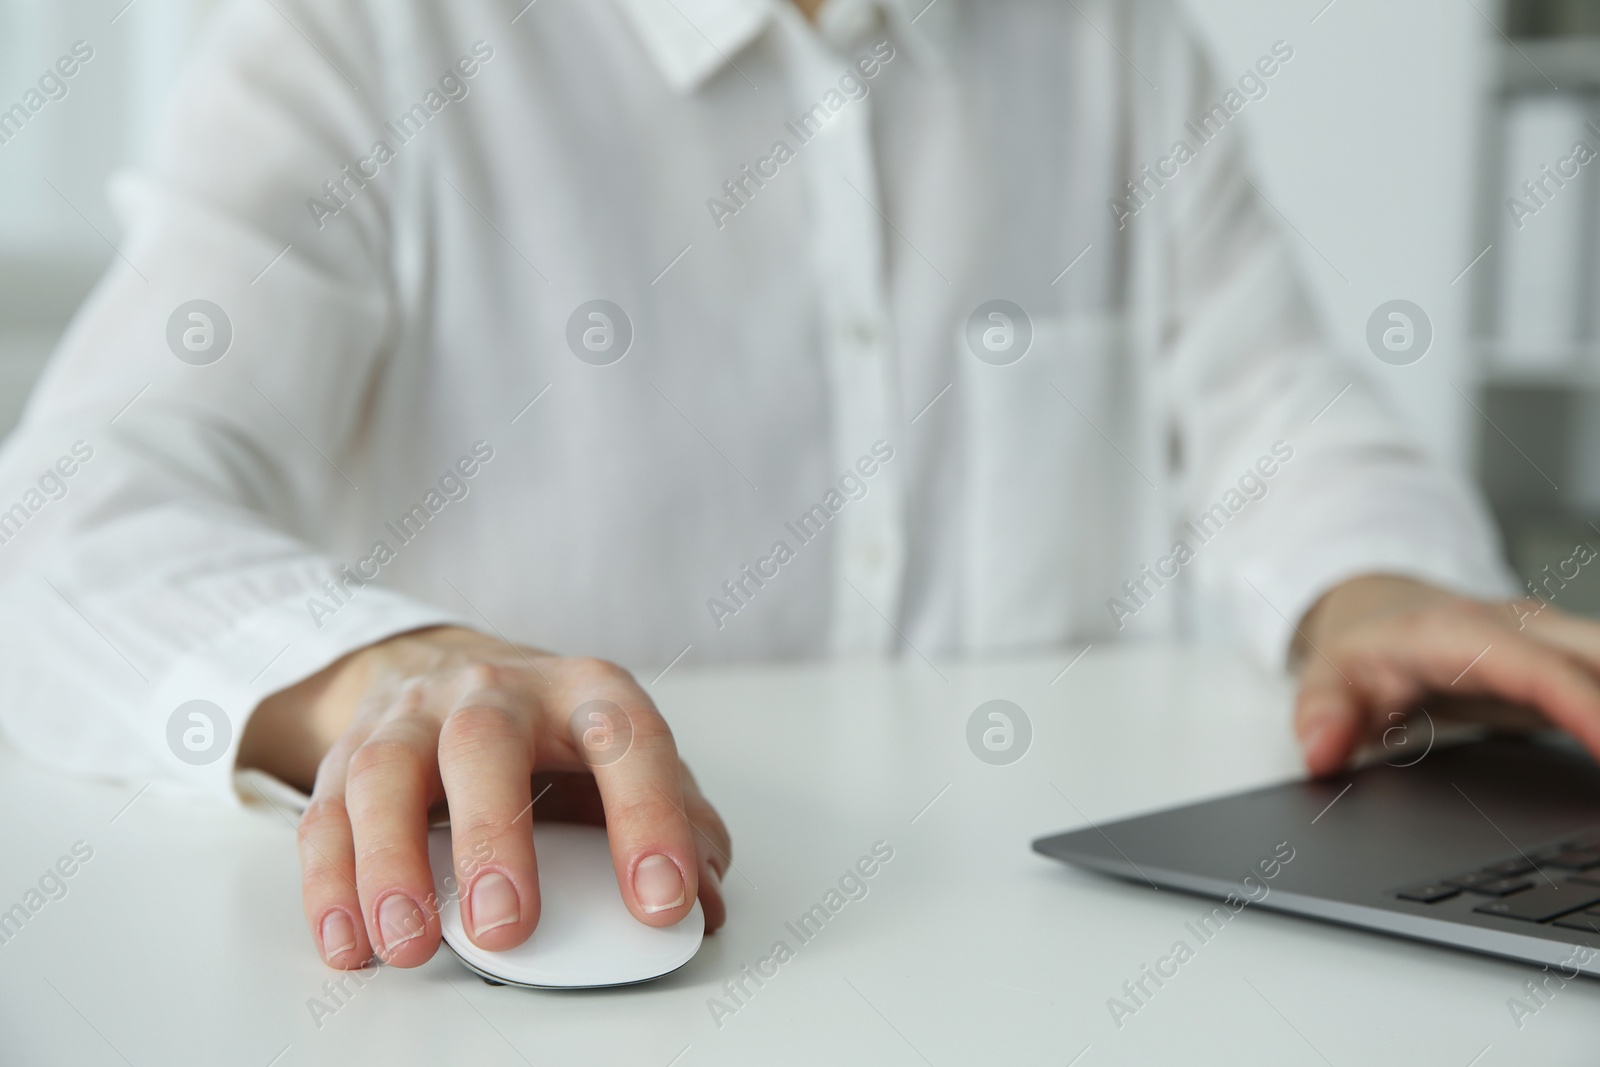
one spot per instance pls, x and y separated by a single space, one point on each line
871 554
863 333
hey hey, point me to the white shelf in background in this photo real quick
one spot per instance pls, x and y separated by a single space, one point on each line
1578 369
1571 63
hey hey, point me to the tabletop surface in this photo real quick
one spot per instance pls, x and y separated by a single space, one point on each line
181 939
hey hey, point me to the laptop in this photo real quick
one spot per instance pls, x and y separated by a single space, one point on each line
1492 846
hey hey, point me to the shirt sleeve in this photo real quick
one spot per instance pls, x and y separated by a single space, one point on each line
166 502
1293 475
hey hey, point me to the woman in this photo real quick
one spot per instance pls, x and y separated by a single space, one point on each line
720 329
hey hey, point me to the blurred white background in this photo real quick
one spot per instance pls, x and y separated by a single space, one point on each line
55 221
1382 146
1367 146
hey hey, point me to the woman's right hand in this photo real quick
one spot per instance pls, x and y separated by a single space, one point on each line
446 714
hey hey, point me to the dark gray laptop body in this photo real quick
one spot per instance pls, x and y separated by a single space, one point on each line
1491 846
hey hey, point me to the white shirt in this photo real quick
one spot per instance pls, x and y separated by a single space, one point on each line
791 442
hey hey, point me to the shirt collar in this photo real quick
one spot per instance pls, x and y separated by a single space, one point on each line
690 40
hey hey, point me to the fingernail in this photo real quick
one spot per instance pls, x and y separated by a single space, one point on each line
338 934
494 903
658 884
399 920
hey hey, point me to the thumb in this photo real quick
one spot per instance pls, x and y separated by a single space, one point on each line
1328 717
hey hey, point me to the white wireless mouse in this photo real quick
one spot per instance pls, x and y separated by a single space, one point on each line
586 937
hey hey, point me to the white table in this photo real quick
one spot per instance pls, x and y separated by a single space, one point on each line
182 941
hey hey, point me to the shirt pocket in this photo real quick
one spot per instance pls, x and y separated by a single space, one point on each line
1061 482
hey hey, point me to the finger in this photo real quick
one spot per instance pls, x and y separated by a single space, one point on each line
630 751
1372 695
1525 672
328 872
711 899
1329 716
393 778
707 824
568 797
1576 636
713 849
485 763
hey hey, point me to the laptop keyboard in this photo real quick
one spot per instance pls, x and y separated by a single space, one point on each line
1559 886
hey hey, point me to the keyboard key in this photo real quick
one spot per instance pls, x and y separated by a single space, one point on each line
1473 879
1428 894
1586 842
1507 868
1488 883
1575 860
1587 921
1543 902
